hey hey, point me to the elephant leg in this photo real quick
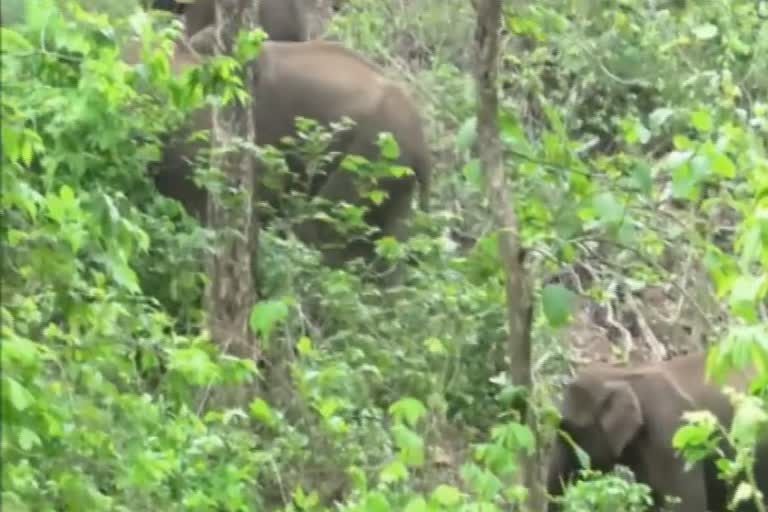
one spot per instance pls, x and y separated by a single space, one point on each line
392 219
337 249
671 480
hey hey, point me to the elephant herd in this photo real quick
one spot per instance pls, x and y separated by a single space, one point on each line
618 416
326 82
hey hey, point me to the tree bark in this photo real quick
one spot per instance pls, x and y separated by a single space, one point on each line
231 291
517 288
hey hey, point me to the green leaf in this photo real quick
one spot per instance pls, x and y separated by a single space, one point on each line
28 439
519 437
434 346
395 471
17 394
410 444
705 31
408 409
556 301
744 493
608 208
417 504
641 175
390 149
744 296
20 351
581 455
62 206
466 135
266 315
376 502
194 364
262 412
304 346
748 421
123 274
702 121
14 42
446 495
723 166
377 196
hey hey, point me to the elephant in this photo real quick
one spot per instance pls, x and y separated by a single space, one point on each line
326 82
628 416
282 20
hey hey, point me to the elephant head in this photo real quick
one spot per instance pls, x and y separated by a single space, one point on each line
600 415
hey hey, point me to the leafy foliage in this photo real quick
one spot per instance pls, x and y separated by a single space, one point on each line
635 135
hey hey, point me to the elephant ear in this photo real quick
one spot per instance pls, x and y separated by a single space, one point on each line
621 416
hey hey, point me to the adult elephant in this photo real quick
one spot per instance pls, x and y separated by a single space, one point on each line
326 82
282 20
629 416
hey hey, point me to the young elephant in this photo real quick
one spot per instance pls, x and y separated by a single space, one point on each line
629 416
322 81
282 20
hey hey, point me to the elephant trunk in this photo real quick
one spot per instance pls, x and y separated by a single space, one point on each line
562 465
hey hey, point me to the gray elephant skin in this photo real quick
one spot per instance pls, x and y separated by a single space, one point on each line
282 20
323 81
629 416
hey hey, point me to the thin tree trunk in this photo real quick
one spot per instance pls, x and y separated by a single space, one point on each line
518 296
232 292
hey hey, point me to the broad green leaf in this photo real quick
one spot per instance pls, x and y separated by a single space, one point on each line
62 206
702 121
28 439
748 421
14 42
376 502
417 504
262 412
633 130
19 397
556 301
122 274
266 315
377 197
434 346
20 351
194 364
390 149
723 165
304 346
641 175
395 471
408 409
523 437
410 445
446 495
608 208
744 297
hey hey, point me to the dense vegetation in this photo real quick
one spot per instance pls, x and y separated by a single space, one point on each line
636 135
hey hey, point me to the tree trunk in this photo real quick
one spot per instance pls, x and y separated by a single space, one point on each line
231 291
517 288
